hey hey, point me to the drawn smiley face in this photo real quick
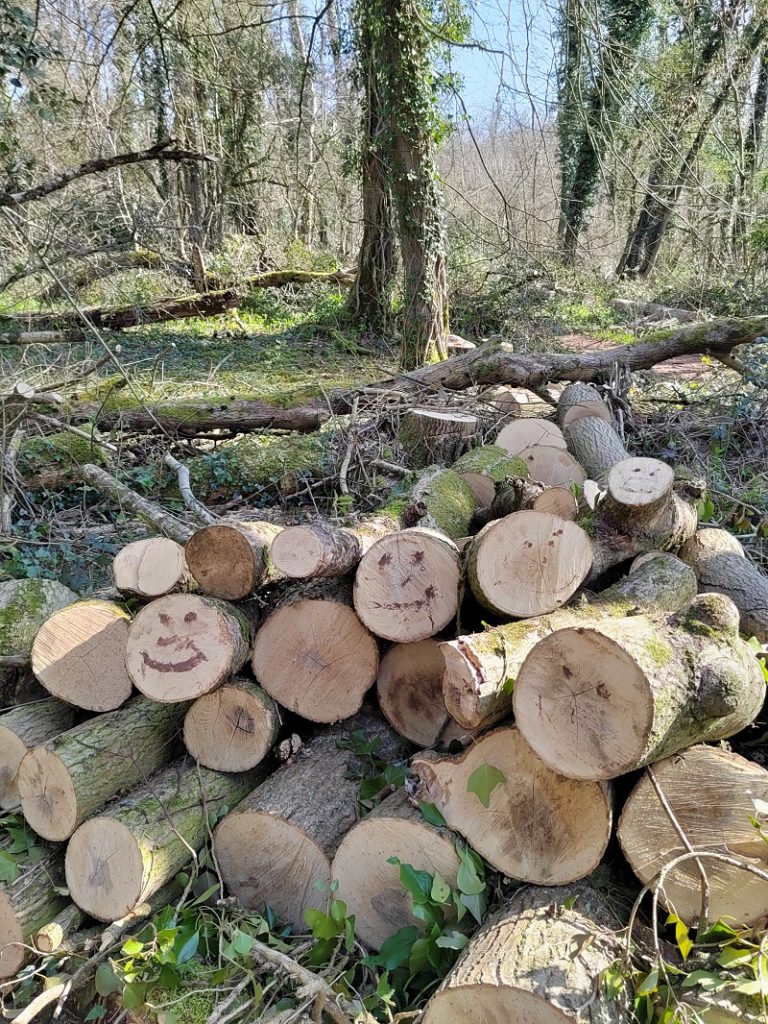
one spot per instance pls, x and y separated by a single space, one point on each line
183 654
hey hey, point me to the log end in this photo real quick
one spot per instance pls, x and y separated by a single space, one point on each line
150 568
231 729
47 795
222 562
409 687
12 750
12 951
104 869
299 553
639 482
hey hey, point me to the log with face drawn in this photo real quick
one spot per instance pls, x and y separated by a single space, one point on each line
182 646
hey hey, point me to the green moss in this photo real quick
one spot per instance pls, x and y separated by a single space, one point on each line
191 1008
24 606
449 500
492 461
660 651
61 450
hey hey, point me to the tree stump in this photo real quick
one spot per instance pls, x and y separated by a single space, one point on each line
598 701
720 563
121 857
525 433
431 435
151 568
410 691
481 668
231 560
407 585
712 794
62 783
182 646
528 563
21 728
233 728
276 847
537 962
525 819
79 655
370 885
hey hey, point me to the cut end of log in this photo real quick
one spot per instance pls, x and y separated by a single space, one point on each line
528 563
79 655
12 750
584 704
150 568
640 482
104 869
525 433
316 658
407 585
558 501
231 729
267 861
585 409
303 552
469 1003
223 562
12 951
552 466
183 646
48 798
410 691
483 487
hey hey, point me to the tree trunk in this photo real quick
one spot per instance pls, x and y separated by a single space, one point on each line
276 847
528 563
231 560
121 857
27 904
182 646
599 701
315 657
233 728
370 885
410 691
66 780
720 564
441 500
436 436
24 727
528 821
596 445
321 551
79 655
713 796
24 607
71 337
481 669
538 961
407 585
151 568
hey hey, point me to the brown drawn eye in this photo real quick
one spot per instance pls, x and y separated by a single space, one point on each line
165 619
190 616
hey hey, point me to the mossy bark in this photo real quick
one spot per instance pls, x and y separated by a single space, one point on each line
27 904
442 500
24 607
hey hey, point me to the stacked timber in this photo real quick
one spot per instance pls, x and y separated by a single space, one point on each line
162 726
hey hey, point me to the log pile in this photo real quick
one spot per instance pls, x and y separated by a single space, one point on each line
162 723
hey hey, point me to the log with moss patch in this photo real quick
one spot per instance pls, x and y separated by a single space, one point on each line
28 903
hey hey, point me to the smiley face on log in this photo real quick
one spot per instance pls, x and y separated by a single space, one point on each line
181 642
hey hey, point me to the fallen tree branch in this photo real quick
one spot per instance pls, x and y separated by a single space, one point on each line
147 511
161 151
195 506
492 363
650 311
70 337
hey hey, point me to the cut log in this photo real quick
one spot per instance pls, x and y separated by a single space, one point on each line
481 668
24 607
528 563
639 513
183 646
714 795
538 962
275 848
552 466
79 655
231 560
72 337
431 435
441 500
121 857
314 656
53 934
579 400
320 550
410 691
719 561
27 904
370 885
151 568
596 445
70 777
596 702
584 410
407 585
21 728
538 826
557 501
233 728
525 433
482 468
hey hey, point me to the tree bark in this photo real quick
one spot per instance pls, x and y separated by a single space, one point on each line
79 655
370 885
712 794
233 728
64 781
24 607
232 560
537 961
482 668
534 825
27 904
276 847
598 701
24 727
147 511
121 857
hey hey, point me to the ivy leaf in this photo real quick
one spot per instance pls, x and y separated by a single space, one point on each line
9 869
483 781
188 950
468 878
242 944
96 1012
706 980
134 995
132 946
649 983
432 814
321 925
441 891
475 904
452 940
107 981
397 948
682 938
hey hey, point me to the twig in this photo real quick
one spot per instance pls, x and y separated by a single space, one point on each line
390 467
39 1003
145 510
343 485
7 499
182 473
